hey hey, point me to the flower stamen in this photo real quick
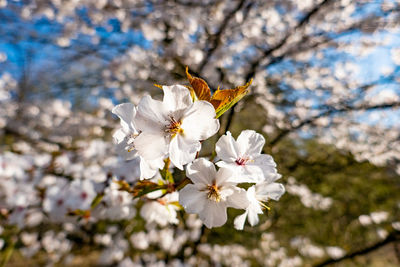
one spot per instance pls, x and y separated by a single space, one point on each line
213 193
174 127
242 161
129 142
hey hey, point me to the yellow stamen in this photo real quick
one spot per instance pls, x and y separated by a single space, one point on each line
264 205
174 127
213 193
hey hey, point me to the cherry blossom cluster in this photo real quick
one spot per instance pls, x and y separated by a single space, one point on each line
172 130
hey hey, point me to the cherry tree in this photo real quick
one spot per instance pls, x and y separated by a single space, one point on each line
321 69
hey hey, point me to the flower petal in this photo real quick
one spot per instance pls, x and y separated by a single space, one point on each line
266 163
252 217
151 116
224 175
240 220
250 142
238 199
182 151
227 148
191 199
126 112
253 173
201 171
213 214
123 151
149 168
267 191
151 146
176 97
199 122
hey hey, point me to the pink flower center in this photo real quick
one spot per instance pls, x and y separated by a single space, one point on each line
241 161
84 195
60 202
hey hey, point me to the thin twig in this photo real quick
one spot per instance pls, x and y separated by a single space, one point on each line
392 237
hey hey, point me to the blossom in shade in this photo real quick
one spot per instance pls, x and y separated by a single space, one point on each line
118 205
173 127
211 193
257 195
161 210
125 136
243 156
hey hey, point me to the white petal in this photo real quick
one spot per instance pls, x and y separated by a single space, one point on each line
151 116
191 199
198 122
227 148
151 146
119 135
124 152
252 217
272 177
182 151
126 112
176 97
250 142
228 165
238 199
157 163
266 163
253 173
269 191
224 175
240 220
201 171
213 214
146 170
242 174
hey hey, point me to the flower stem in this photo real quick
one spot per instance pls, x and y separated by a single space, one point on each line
183 183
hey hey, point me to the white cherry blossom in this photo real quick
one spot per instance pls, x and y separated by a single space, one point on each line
161 210
118 205
173 127
80 194
211 193
257 195
125 136
243 156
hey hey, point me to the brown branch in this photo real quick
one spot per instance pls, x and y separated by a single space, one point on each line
9 131
331 111
396 247
392 237
216 38
269 51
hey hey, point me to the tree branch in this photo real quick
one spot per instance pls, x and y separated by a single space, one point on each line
269 51
392 237
331 111
216 38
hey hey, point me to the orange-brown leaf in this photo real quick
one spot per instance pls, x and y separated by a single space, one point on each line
222 100
199 86
158 85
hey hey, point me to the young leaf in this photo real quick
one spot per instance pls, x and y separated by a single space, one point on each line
96 201
222 100
199 86
165 173
144 187
124 186
84 214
